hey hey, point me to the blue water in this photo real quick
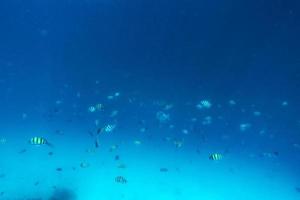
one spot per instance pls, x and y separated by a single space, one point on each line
177 81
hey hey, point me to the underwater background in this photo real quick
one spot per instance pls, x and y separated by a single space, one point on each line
143 100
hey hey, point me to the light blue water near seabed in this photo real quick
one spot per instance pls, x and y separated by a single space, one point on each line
143 100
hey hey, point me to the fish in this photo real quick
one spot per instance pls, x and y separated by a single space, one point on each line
114 113
91 150
137 142
91 133
97 143
91 109
59 169
117 157
121 179
2 175
99 130
163 169
50 153
2 140
274 154
298 189
122 166
84 164
22 151
99 106
206 104
113 147
39 141
109 128
216 156
178 143
59 132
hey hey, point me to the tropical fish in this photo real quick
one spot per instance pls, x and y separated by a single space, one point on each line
162 117
204 104
114 113
22 151
137 142
274 154
216 156
163 169
99 130
99 106
39 141
2 140
122 166
91 150
113 147
97 143
92 109
178 143
84 164
59 169
120 179
109 128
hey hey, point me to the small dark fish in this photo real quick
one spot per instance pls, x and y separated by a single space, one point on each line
50 153
2 175
120 179
163 169
99 130
117 157
96 143
58 132
22 151
91 133
122 166
142 122
59 169
1 193
36 183
84 164
298 189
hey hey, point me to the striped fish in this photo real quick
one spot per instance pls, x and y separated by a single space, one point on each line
216 156
120 179
39 141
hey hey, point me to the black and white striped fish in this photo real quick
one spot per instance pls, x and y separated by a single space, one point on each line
121 179
216 156
38 141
